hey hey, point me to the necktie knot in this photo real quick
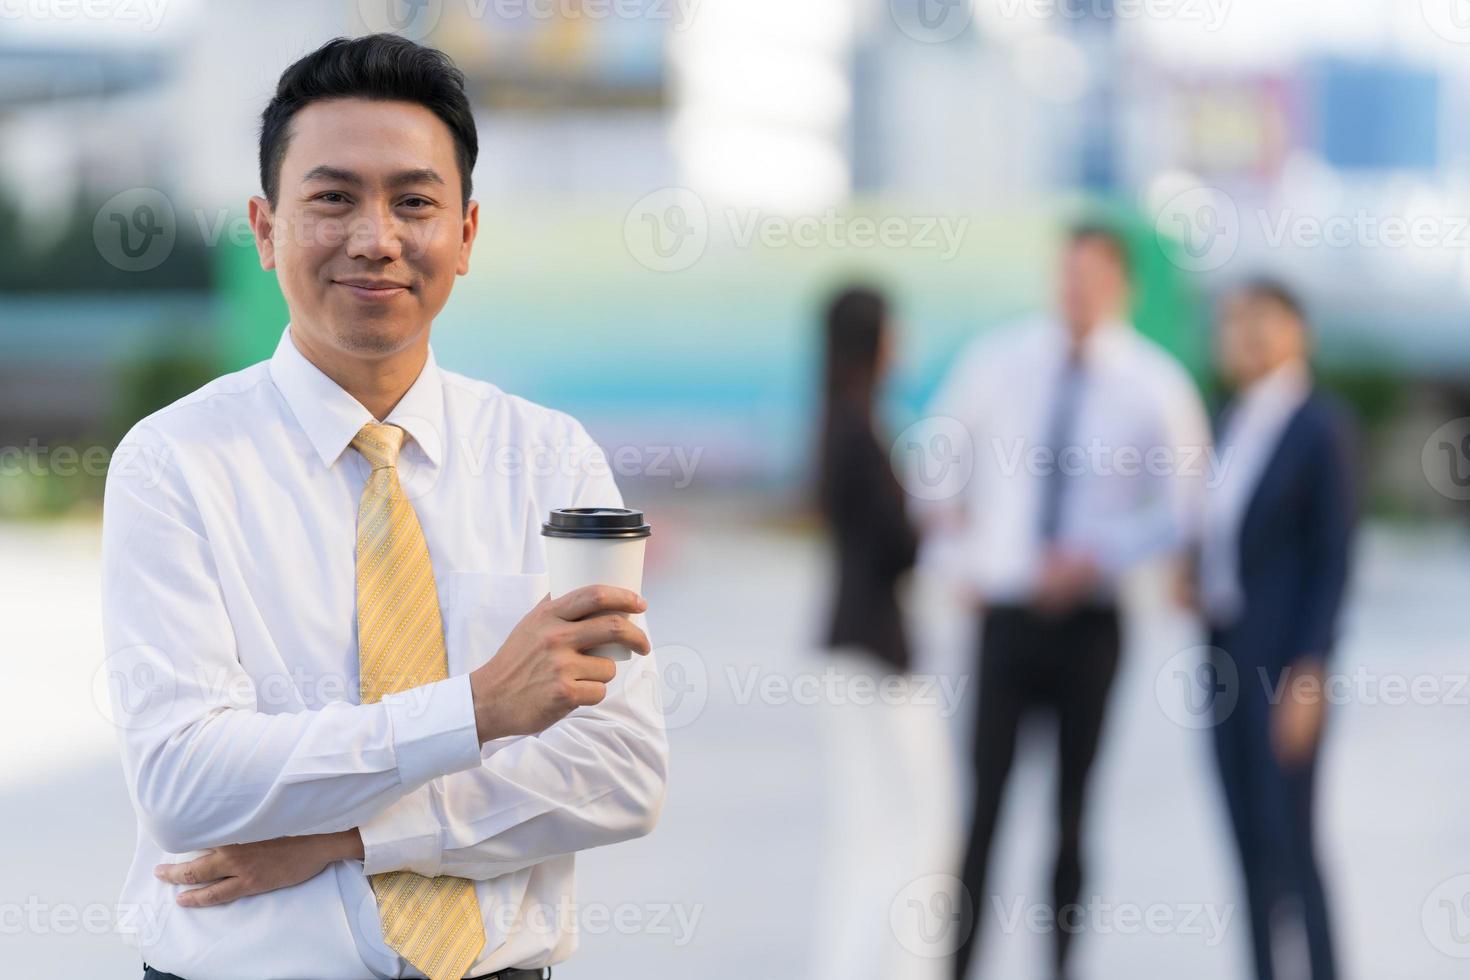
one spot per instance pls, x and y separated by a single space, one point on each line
379 444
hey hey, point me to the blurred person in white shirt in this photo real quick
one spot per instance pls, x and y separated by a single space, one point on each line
1087 445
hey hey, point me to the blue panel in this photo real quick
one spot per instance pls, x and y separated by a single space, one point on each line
1377 116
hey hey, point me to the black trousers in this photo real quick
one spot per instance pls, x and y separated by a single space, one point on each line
1062 665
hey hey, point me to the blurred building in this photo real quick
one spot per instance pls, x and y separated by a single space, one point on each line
1239 138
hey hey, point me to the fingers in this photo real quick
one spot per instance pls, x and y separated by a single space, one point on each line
209 868
592 599
216 894
588 692
196 872
588 633
584 667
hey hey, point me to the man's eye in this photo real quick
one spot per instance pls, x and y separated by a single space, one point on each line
417 202
332 197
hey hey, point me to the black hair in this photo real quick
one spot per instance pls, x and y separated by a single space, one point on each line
379 66
853 335
1109 238
1275 292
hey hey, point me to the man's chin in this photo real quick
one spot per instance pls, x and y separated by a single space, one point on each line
375 336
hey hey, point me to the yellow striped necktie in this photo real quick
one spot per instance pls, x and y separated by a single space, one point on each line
434 923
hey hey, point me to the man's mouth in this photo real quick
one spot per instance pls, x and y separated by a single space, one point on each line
373 290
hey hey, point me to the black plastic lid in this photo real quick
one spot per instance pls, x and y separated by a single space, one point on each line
596 522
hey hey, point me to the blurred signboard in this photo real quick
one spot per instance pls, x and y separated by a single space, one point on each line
560 53
1376 116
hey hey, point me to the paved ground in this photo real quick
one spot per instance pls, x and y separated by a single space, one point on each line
739 843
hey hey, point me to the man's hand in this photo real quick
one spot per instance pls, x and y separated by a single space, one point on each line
1185 585
541 674
1066 579
237 870
1296 722
969 596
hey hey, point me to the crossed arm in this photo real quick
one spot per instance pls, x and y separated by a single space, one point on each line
594 777
541 751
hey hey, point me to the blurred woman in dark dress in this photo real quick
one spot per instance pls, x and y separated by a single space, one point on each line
858 492
890 813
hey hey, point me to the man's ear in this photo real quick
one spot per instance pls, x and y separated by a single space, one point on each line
263 223
467 236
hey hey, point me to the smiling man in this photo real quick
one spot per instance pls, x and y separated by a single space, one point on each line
359 738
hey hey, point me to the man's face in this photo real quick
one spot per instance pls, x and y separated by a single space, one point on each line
367 232
1093 287
1255 336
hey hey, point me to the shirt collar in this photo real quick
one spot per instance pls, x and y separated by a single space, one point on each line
1286 383
1102 341
1275 395
330 417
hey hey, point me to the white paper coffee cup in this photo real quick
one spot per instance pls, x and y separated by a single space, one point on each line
596 546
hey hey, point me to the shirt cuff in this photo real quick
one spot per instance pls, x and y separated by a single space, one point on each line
434 731
404 837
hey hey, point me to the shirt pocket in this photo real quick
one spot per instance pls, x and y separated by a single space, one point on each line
479 610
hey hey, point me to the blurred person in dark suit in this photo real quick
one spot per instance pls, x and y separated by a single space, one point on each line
1273 566
888 759
1062 412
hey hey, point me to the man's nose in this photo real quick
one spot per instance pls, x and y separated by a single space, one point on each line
375 235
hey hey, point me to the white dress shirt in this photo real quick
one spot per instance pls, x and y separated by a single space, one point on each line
1252 430
230 623
1136 455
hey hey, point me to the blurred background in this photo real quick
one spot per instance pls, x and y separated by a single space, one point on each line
670 192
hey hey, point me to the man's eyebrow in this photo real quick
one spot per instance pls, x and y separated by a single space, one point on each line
324 172
420 175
